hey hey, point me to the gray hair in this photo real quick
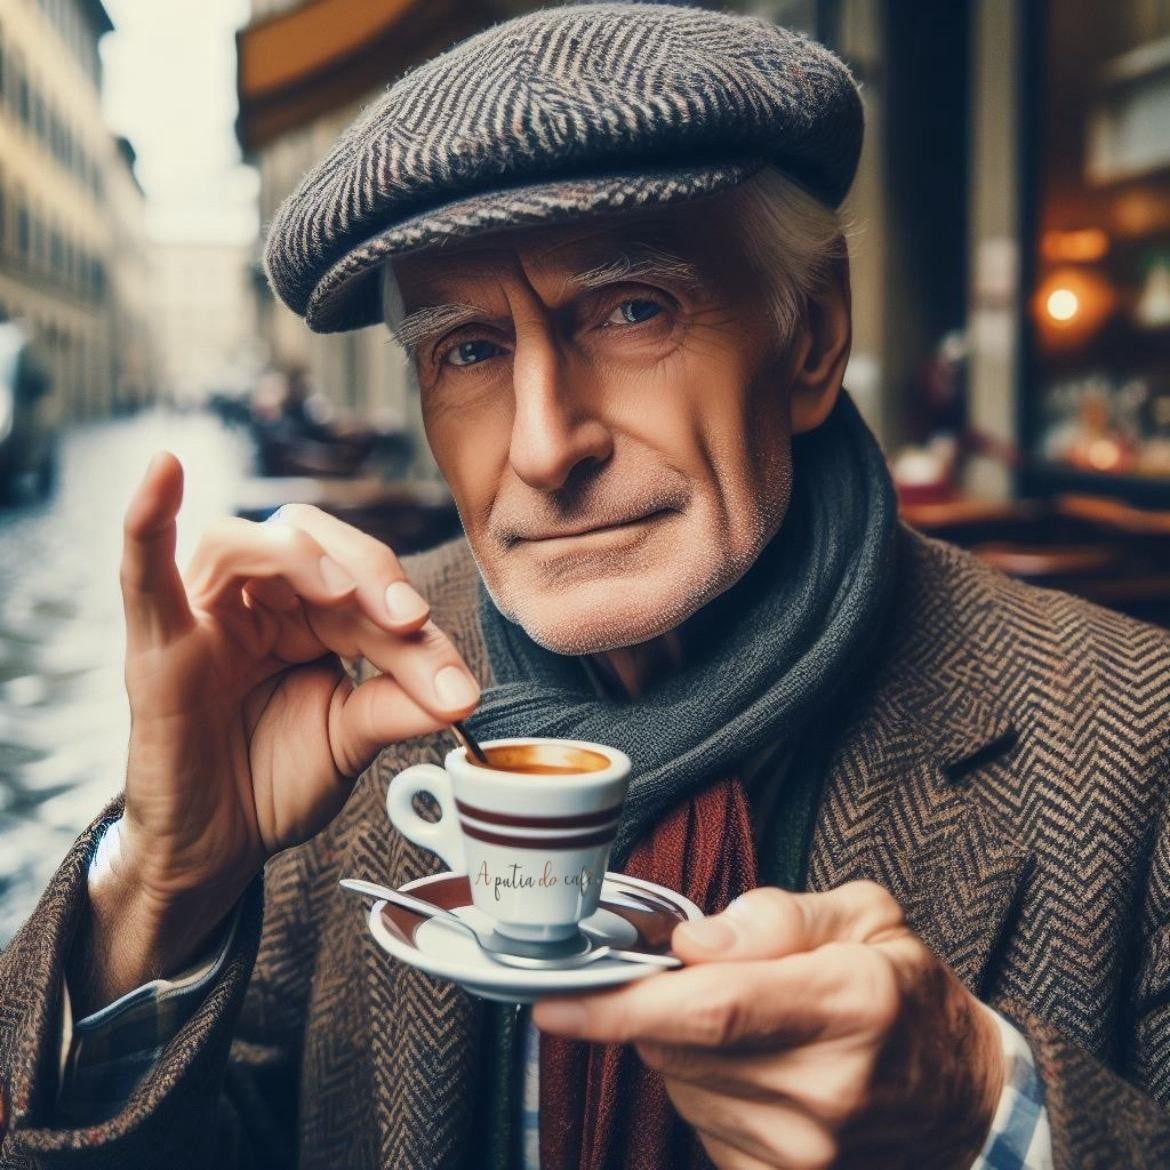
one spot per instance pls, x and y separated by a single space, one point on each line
792 240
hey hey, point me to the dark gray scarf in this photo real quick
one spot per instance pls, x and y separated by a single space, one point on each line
764 658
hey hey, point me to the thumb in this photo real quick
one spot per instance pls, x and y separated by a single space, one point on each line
769 924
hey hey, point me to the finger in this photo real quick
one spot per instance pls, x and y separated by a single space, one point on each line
830 1083
749 1134
375 714
152 589
425 663
383 591
725 1156
840 989
234 552
274 593
769 923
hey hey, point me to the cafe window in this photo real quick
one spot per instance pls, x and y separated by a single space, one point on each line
1095 407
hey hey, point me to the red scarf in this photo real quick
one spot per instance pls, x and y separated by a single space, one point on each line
600 1107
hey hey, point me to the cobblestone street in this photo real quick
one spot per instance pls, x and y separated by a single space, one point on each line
63 713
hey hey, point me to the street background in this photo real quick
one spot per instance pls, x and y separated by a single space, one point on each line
63 715
1011 287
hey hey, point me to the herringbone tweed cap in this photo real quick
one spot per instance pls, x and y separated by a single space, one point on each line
560 114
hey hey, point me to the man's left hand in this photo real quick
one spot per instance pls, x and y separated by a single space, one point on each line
809 1030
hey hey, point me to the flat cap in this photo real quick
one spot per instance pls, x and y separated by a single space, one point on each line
554 116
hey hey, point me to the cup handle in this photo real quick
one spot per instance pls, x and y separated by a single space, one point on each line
441 837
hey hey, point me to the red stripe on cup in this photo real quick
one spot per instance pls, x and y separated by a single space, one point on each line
583 841
513 821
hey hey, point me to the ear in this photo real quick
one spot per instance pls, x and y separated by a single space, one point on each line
826 338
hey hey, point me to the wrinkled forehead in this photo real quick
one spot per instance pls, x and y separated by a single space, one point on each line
568 252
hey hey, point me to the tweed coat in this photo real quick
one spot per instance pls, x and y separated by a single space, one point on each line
1003 773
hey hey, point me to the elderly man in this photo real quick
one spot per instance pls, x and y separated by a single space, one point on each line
923 806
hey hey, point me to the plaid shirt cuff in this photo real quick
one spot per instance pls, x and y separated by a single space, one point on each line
105 1055
1019 1138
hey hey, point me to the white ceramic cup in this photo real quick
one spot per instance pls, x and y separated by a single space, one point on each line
534 846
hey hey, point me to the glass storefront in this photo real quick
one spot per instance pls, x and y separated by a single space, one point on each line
1097 380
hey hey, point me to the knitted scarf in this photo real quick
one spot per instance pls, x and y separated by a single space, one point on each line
763 660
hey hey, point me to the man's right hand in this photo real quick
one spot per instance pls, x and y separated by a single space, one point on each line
247 735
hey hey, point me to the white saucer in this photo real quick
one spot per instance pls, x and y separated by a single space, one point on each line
634 915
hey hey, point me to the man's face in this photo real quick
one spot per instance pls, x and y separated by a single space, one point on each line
609 405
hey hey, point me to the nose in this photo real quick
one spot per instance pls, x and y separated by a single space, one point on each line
554 428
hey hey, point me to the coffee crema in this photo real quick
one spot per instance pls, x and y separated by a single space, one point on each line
541 759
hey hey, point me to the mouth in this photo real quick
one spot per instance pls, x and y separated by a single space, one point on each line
587 530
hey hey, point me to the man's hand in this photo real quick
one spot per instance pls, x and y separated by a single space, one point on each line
246 733
809 1030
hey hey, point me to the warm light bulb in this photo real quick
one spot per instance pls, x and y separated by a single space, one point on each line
1063 304
1104 454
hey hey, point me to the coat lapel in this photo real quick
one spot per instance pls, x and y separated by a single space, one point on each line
906 805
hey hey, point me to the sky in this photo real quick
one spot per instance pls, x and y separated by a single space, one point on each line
170 87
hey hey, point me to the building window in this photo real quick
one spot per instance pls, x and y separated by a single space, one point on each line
39 121
3 62
23 97
38 241
56 253
23 232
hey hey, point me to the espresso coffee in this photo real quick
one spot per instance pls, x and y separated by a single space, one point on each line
542 759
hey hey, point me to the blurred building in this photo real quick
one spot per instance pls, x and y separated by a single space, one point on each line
134 365
205 312
72 249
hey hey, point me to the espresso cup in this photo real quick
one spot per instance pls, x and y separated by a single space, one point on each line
532 832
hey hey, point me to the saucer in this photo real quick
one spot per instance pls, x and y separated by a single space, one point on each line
633 915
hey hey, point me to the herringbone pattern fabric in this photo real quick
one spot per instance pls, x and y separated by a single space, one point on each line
635 105
1003 774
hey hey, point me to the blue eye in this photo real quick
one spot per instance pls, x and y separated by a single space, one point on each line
469 353
634 312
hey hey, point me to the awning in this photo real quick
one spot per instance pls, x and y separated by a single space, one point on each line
296 65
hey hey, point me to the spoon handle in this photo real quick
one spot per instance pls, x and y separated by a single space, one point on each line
406 901
469 742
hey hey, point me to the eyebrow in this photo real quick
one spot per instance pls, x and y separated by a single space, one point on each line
638 263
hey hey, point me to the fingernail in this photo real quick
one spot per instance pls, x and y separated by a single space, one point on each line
454 689
709 934
403 604
336 579
560 1017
